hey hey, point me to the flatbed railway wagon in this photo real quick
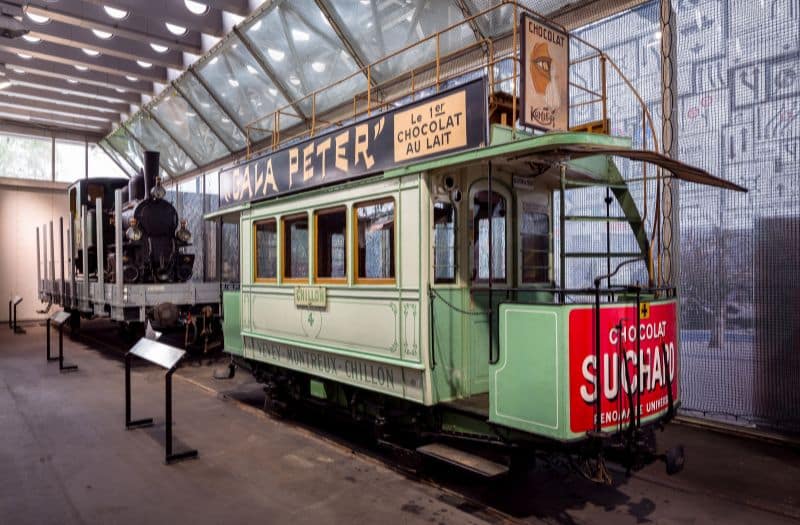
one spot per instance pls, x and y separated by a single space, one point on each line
123 254
412 270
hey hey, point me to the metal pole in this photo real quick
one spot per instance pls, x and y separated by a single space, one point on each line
168 380
72 262
127 390
101 278
118 245
44 260
85 248
60 347
47 330
491 260
38 265
61 248
562 238
52 261
598 389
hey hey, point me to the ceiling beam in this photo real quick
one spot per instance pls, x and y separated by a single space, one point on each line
170 11
34 116
64 71
40 130
75 57
68 100
55 109
135 27
55 85
118 46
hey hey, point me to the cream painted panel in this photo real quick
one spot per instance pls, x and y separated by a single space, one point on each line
363 325
409 238
246 240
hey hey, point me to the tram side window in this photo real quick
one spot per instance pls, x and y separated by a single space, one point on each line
295 247
444 242
331 249
375 240
266 240
485 208
534 234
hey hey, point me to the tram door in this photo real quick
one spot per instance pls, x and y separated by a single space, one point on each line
488 230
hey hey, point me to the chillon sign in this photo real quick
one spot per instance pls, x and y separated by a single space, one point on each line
445 123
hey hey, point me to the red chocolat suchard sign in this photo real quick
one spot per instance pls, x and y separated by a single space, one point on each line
638 364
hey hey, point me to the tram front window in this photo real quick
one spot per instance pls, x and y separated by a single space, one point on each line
534 235
266 247
444 242
485 209
295 242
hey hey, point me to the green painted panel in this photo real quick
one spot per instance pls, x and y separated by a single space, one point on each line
526 383
449 375
231 326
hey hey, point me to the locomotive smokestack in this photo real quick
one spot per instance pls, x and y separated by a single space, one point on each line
150 171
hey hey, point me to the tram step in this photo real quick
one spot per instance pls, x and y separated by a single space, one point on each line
603 255
473 463
591 218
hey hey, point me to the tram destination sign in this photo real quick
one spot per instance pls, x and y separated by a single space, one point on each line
448 122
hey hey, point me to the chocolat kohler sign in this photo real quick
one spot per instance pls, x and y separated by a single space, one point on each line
448 122
545 75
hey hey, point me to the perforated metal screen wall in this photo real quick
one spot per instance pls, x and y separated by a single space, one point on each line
738 105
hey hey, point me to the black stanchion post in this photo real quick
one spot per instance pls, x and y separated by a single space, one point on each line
9 314
49 356
61 366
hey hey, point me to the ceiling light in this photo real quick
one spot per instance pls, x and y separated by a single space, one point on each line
196 8
365 2
256 26
81 68
91 52
145 65
273 92
294 80
37 19
158 48
116 14
32 39
103 35
72 81
226 120
275 54
252 70
25 56
176 29
5 84
300 36
132 78
119 90
233 82
214 60
319 67
18 70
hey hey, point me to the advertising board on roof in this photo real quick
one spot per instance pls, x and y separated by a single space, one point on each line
448 122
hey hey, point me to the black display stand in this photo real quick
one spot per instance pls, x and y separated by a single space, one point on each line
166 357
12 319
58 319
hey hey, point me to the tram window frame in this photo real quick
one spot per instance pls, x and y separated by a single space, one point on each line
475 232
319 252
286 247
357 278
452 249
526 205
256 224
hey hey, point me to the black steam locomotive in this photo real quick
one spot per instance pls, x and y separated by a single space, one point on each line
153 237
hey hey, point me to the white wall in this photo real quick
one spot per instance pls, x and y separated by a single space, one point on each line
24 206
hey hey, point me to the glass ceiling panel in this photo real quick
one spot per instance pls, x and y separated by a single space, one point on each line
121 161
123 143
183 123
298 43
241 86
386 26
150 134
195 93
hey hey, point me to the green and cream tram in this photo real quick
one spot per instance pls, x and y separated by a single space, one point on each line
424 285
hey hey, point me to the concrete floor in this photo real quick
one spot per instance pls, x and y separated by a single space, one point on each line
65 457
